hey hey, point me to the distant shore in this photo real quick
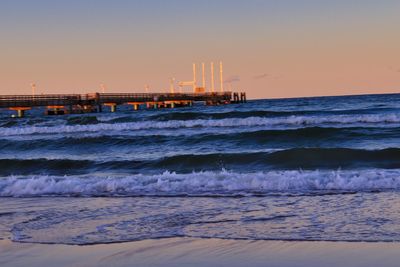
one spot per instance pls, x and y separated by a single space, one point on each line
202 252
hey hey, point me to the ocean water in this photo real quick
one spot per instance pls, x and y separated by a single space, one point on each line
324 168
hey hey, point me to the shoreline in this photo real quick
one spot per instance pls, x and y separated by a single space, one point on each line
202 252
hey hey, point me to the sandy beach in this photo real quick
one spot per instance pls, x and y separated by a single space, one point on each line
202 252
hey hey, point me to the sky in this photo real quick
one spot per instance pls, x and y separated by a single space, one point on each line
269 48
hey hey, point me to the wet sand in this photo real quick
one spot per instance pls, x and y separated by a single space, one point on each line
202 252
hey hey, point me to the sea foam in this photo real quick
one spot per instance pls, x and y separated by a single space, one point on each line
221 183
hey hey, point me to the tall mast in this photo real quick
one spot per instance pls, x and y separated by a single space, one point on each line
221 77
172 87
204 77
212 77
33 86
194 77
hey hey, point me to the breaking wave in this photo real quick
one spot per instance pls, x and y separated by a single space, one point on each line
230 122
277 138
295 158
221 183
249 113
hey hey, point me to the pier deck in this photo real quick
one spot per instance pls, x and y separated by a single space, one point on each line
78 103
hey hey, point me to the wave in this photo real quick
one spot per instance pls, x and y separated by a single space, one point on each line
82 120
207 183
296 158
258 113
224 115
9 124
45 166
298 135
274 138
231 122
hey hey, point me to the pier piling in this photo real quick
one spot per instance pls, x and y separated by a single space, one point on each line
113 106
20 111
243 97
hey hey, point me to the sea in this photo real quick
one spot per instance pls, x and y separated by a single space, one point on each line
301 169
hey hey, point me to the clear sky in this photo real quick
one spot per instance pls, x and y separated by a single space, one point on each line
282 48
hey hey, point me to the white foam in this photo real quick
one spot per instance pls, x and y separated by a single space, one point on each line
201 183
229 122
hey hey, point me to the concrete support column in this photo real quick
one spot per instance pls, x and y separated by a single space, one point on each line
113 106
21 113
243 97
136 105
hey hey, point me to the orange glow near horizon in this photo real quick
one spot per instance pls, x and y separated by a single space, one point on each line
344 48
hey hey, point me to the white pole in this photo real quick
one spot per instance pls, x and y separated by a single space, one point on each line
221 77
172 87
194 77
103 88
212 77
33 86
204 77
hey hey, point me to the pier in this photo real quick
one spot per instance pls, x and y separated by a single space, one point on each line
59 104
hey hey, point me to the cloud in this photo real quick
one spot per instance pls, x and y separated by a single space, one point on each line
233 78
394 69
260 76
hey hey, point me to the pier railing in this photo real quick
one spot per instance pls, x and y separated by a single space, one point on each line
140 97
8 101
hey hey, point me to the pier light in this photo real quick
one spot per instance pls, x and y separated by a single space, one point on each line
103 88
